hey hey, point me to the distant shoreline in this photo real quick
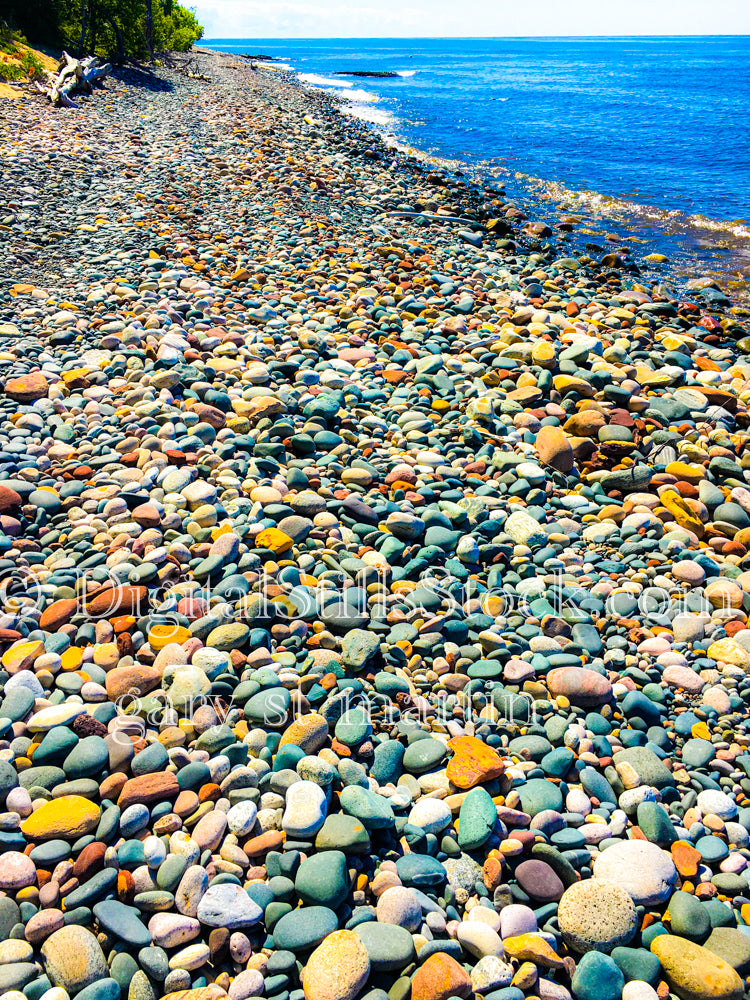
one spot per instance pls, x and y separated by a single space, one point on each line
546 200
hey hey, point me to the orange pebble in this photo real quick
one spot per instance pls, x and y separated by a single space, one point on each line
125 886
706 890
209 793
686 858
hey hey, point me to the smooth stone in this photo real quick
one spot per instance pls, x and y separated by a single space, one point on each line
423 755
16 871
343 833
170 930
731 945
16 975
371 809
87 759
695 973
440 977
389 947
68 817
539 881
653 819
337 969
229 906
431 815
688 917
479 939
597 977
717 803
643 870
637 963
539 795
323 879
305 928
649 768
122 921
305 810
104 989
73 958
477 819
420 871
400 906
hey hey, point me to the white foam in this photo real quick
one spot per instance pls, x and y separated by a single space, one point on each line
736 227
406 72
367 113
313 80
604 205
358 96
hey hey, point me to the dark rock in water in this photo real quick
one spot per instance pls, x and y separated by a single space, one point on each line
382 74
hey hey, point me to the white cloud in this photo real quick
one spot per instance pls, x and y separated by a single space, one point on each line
476 18
240 19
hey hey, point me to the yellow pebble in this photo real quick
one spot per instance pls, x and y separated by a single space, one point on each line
21 655
680 511
274 539
72 658
69 817
161 635
106 654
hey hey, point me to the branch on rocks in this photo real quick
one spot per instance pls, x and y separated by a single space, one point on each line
74 76
435 218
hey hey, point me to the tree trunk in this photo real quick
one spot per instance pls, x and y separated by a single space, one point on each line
93 26
118 36
84 29
150 27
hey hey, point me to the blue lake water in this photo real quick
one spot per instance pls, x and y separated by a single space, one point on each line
648 137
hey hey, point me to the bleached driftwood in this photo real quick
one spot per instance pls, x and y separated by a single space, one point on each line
73 76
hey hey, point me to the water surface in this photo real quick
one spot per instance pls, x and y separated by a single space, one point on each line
641 137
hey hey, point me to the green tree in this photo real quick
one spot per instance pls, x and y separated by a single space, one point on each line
108 28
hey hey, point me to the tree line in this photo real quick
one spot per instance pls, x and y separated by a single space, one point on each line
116 29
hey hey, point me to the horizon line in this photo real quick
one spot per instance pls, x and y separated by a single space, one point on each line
477 38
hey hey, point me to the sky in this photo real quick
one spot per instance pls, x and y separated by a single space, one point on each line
462 18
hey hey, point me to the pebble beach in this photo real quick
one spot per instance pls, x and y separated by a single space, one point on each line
374 575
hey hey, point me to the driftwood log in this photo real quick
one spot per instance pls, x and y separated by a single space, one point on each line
74 76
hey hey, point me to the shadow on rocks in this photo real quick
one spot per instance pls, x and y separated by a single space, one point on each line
144 78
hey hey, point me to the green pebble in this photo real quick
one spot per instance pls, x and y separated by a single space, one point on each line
538 795
597 977
655 823
343 833
477 819
424 755
389 947
323 879
637 963
688 917
354 727
304 929
371 809
88 758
